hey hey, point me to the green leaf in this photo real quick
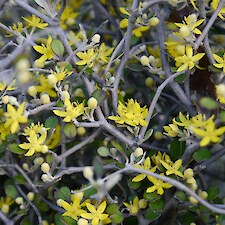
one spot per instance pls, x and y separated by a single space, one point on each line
120 165
177 149
16 149
42 206
181 78
222 116
201 154
26 221
98 166
11 191
2 149
181 196
151 196
51 122
157 205
148 134
99 95
89 192
151 215
208 103
103 151
212 193
134 185
70 130
117 218
57 47
64 194
62 220
112 208
137 67
19 179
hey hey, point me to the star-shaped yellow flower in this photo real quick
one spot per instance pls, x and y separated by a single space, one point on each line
220 62
15 117
35 22
173 169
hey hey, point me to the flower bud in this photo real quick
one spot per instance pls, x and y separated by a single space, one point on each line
19 200
184 31
32 91
22 65
59 202
193 200
149 82
88 172
45 98
79 93
45 167
52 79
46 178
44 149
25 166
23 77
38 161
92 103
144 60
142 203
82 221
39 64
138 152
153 21
202 194
96 38
13 101
5 99
81 131
188 173
30 196
5 208
158 135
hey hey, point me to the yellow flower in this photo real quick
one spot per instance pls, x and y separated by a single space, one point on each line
17 28
15 117
35 22
37 128
193 4
214 5
192 23
72 110
45 50
136 205
45 87
131 114
61 73
220 61
4 131
54 140
146 166
73 209
172 130
87 57
158 185
96 213
220 93
36 143
7 87
209 133
188 60
104 53
173 169
5 203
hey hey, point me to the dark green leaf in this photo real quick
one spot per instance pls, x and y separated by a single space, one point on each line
64 193
11 191
117 218
201 154
112 208
177 149
222 116
151 215
181 196
181 78
212 193
16 149
26 221
98 166
19 179
157 205
51 122
137 67
151 196
70 130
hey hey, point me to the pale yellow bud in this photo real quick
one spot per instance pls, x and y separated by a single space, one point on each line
32 91
44 149
191 180
39 64
184 31
46 177
19 200
24 77
88 172
79 93
25 166
96 38
45 98
82 221
149 82
202 194
142 204
144 60
13 101
138 152
158 135
30 196
153 21
65 95
5 99
192 223
220 89
22 65
45 167
38 161
188 173
52 79
81 131
70 21
92 103
59 202
193 200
